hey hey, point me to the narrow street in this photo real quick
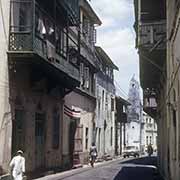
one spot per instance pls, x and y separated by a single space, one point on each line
90 79
125 169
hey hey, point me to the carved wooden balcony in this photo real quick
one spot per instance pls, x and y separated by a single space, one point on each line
35 33
152 35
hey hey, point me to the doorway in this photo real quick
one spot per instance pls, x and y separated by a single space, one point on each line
18 132
76 141
40 140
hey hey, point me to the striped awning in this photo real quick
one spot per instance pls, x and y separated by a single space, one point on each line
72 112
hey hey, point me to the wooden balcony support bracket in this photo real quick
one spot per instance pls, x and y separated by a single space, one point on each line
150 60
162 40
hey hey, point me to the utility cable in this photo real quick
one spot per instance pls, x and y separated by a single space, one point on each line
120 89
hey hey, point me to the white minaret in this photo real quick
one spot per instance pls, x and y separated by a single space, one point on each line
133 129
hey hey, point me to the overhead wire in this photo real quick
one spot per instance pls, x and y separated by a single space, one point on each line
120 89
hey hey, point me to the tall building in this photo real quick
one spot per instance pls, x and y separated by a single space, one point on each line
36 74
158 41
79 125
105 105
133 128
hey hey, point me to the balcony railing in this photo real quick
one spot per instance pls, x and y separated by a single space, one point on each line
33 30
152 35
150 103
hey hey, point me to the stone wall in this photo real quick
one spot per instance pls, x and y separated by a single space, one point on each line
5 115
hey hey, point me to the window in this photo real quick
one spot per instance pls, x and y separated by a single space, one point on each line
86 76
154 125
124 109
150 140
56 129
82 73
103 100
61 41
22 13
99 139
87 133
22 18
112 104
99 109
111 136
147 140
92 83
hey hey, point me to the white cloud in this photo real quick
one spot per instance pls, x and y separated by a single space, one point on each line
117 37
113 11
112 7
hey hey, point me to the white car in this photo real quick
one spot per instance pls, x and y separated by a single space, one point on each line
131 151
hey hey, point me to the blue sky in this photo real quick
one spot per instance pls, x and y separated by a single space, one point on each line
117 37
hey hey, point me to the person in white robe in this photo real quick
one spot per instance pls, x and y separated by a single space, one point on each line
17 166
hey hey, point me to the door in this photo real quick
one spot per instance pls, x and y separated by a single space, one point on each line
18 138
40 140
76 137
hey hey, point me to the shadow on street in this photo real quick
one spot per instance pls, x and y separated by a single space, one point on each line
143 161
139 169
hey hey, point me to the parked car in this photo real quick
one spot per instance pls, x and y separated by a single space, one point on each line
131 151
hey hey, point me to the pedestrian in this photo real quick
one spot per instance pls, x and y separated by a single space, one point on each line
93 154
150 150
17 166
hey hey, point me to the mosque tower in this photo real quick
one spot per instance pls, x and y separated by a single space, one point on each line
133 128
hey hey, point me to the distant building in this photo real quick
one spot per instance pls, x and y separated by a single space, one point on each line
149 132
133 129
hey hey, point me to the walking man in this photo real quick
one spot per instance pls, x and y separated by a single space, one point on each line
93 154
17 166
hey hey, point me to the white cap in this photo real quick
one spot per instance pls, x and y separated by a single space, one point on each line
20 151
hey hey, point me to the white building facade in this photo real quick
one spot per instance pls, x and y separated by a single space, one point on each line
150 132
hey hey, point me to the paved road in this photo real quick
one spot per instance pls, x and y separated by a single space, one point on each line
133 169
129 169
